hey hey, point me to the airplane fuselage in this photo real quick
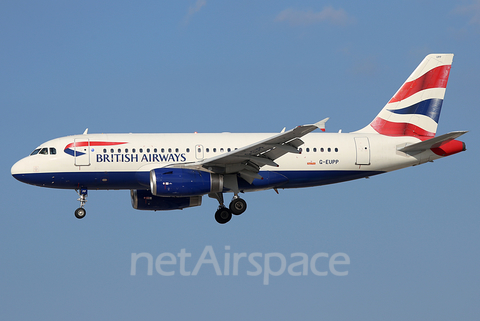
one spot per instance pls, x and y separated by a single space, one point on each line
124 161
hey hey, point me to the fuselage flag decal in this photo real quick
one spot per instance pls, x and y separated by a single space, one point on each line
68 149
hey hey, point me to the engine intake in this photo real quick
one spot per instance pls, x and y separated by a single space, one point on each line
184 182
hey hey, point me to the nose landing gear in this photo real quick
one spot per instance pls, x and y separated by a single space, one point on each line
81 212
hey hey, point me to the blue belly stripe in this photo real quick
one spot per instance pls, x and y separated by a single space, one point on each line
141 180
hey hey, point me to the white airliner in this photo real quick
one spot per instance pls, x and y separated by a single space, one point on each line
174 171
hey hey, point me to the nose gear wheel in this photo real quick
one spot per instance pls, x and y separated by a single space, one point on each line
81 212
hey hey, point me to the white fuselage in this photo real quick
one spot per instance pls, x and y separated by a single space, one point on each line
123 161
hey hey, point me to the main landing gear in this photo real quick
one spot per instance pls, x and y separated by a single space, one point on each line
223 214
81 212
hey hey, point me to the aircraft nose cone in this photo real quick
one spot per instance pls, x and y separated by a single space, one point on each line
16 168
19 170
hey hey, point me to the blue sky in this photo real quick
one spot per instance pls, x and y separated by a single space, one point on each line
215 66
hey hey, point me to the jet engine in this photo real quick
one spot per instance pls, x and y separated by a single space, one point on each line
184 182
144 200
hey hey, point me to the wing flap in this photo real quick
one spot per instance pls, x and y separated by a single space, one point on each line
249 176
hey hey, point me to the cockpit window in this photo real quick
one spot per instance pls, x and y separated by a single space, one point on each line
44 151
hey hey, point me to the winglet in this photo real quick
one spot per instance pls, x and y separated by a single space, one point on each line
85 132
321 124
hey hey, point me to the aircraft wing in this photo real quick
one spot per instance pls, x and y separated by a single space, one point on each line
248 160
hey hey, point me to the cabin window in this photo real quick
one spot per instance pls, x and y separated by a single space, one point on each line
169 150
154 150
336 149
329 149
314 149
112 151
163 150
119 150
35 152
308 150
188 150
221 150
228 150
126 150
148 150
133 150
214 150
140 150
53 151
322 150
208 150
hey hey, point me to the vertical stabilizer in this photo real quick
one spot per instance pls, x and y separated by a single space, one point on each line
415 108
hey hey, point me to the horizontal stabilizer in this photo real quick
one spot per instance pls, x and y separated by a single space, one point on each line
432 143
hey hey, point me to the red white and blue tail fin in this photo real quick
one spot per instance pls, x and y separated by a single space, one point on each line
415 108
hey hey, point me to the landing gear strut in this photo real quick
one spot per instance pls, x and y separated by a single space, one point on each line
81 212
223 214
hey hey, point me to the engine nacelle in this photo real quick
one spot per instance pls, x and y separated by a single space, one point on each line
184 182
144 200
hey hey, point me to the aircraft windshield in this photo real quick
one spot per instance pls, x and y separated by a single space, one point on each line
44 151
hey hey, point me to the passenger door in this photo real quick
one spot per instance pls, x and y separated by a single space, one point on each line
363 151
81 152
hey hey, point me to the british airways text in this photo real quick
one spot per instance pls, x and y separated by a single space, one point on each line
140 158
